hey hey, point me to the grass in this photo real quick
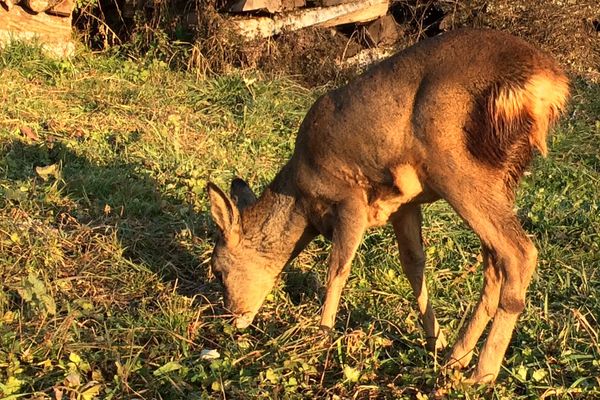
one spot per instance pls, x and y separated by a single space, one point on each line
105 242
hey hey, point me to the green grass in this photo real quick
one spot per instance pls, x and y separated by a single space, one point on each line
104 274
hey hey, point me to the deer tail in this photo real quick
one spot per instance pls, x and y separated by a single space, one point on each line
532 106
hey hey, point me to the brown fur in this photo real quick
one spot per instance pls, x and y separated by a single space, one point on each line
455 117
512 117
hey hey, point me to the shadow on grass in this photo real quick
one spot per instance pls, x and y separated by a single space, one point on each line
156 230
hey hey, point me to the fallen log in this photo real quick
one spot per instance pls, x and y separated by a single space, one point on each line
354 12
365 58
52 32
327 3
272 6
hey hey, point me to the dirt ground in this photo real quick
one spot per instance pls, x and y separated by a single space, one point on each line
568 29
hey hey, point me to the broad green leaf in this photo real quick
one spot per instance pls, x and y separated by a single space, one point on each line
33 290
272 376
12 385
91 392
522 372
351 374
74 357
168 367
15 238
539 374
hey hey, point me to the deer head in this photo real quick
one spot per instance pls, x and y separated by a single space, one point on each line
237 261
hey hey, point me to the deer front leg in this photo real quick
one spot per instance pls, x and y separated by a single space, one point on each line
349 225
407 226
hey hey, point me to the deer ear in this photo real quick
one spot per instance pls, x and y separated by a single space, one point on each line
224 213
241 193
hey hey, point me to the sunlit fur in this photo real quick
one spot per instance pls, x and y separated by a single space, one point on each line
543 97
456 117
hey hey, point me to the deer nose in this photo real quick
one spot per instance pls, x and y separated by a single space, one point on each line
243 321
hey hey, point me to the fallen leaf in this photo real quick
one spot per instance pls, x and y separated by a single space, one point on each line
51 125
29 133
48 171
91 392
58 393
72 380
78 133
209 354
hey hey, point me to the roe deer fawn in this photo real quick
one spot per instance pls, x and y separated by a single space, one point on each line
456 117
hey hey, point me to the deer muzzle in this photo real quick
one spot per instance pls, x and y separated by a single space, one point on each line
244 320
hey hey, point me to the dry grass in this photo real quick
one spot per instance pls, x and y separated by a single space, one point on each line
105 289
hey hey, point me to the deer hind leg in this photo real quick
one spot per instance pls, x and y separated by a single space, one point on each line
349 226
462 351
517 269
514 256
407 226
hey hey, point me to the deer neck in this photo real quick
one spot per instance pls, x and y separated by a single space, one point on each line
276 223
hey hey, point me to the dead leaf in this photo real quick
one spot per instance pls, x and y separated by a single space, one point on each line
29 133
79 133
48 171
51 125
58 393
90 391
72 380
